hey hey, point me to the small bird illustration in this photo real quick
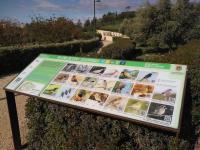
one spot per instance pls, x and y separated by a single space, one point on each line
167 94
89 82
120 87
62 94
125 74
114 102
146 77
160 111
136 106
74 79
103 85
82 68
52 90
70 67
99 71
111 73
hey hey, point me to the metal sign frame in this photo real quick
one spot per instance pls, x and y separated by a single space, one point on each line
11 103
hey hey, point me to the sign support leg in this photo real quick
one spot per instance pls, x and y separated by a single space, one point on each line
13 119
177 140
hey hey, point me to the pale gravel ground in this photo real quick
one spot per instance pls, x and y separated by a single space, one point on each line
5 130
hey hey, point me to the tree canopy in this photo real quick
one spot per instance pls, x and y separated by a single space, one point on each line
164 24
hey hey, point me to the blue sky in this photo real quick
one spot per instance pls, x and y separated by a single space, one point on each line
23 10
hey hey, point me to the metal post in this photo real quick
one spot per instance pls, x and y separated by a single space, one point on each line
13 119
94 18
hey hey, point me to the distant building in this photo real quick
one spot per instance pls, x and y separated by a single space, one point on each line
108 35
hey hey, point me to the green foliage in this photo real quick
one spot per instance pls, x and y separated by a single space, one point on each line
15 58
39 30
10 33
111 27
110 21
164 24
51 30
119 49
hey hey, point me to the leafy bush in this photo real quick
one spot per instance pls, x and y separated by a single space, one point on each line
164 24
57 127
119 49
16 58
52 126
39 30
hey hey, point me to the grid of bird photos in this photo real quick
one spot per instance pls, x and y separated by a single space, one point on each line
133 93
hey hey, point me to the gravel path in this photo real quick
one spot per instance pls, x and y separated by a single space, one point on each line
5 130
105 43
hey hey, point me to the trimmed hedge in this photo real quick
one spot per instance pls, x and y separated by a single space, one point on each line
52 126
16 58
119 49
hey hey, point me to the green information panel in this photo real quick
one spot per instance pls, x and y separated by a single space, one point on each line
145 92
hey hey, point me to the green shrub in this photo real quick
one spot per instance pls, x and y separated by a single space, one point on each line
57 127
119 49
16 58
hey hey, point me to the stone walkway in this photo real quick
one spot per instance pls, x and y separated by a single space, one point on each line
105 43
5 130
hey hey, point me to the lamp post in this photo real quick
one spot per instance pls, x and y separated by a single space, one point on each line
95 1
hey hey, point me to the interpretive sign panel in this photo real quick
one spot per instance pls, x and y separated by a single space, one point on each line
140 91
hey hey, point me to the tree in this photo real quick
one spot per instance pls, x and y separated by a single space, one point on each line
164 24
11 33
87 25
79 24
141 27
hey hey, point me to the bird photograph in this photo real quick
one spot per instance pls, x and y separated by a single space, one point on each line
102 84
165 93
149 77
83 68
65 92
105 85
122 87
70 67
137 107
81 95
111 73
114 102
52 89
142 90
160 111
98 70
129 74
100 98
89 82
76 80
61 78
